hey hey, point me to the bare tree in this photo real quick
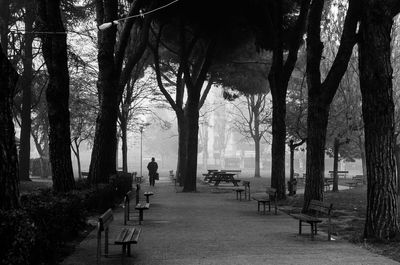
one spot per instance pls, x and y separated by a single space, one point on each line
252 120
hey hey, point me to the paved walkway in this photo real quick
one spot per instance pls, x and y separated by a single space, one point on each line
210 227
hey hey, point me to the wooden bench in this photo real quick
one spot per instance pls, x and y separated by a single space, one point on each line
126 237
245 188
264 198
313 219
84 174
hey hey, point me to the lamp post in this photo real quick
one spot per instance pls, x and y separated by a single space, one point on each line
142 125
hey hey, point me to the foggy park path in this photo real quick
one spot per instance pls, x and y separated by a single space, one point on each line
209 227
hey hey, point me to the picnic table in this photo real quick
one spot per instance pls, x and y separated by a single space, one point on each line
226 177
209 174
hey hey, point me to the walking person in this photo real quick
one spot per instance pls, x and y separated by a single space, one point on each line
152 167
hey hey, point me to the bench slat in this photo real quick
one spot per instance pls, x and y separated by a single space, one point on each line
142 206
306 218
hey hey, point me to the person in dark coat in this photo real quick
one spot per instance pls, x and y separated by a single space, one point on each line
152 167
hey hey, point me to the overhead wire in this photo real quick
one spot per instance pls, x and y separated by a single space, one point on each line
102 26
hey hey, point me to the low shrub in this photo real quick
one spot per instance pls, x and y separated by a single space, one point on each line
18 234
58 218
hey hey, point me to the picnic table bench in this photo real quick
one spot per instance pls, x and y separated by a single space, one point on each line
267 197
327 183
341 173
245 188
125 237
318 207
355 182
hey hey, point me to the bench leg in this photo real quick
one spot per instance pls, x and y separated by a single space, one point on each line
258 206
140 216
147 199
237 195
269 206
264 207
106 242
300 227
312 231
129 250
240 195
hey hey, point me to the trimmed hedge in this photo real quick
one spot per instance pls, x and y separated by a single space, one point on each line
36 233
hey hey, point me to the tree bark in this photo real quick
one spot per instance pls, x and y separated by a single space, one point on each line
363 162
397 155
124 139
4 21
103 159
378 114
320 95
336 145
57 93
256 139
182 132
191 111
9 182
25 133
279 78
111 81
317 123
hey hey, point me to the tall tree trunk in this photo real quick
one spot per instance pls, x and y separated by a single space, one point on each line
257 158
257 138
317 123
363 157
182 149
192 125
320 95
336 145
378 113
278 143
397 155
278 92
103 159
9 187
4 20
57 94
124 139
291 177
25 133
279 76
78 157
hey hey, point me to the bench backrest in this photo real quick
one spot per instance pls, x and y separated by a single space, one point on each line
105 219
246 183
271 192
320 206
